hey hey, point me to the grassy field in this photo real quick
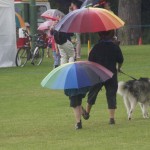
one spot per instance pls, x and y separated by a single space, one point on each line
35 118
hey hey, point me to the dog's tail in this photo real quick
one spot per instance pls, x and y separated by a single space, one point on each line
121 88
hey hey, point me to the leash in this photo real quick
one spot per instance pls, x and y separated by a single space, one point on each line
127 75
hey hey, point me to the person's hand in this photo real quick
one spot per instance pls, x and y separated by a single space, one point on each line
57 53
119 68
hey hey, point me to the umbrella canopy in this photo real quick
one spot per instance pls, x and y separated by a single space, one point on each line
45 25
53 14
19 21
87 20
76 75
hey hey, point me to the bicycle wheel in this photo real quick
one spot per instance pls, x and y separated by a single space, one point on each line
21 57
38 55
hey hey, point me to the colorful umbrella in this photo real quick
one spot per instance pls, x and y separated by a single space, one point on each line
88 3
76 75
45 25
53 14
19 21
87 20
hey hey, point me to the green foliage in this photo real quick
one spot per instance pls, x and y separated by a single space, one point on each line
64 7
35 118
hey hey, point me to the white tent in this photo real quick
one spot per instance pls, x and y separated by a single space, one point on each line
7 33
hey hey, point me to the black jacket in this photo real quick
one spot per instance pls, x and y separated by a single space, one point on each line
61 37
107 54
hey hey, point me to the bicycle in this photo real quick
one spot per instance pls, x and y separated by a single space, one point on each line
26 53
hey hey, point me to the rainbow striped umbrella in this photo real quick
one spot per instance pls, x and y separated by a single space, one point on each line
88 20
76 75
19 21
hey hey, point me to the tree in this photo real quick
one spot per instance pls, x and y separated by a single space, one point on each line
62 5
145 13
130 12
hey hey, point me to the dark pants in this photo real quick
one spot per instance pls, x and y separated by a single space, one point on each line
111 87
76 100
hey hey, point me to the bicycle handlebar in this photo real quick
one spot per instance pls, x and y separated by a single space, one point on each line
28 35
38 37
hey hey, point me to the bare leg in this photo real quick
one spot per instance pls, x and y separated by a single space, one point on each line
81 111
77 113
78 46
92 95
48 52
111 113
111 116
88 108
85 112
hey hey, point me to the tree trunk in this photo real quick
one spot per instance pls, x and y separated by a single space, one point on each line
130 12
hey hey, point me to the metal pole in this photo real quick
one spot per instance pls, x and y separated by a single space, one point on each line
33 20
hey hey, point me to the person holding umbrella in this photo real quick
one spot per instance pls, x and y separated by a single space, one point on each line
108 54
65 46
75 97
75 79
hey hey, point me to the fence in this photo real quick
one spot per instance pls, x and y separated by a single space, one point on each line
130 35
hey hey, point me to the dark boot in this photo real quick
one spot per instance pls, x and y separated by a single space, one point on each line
78 125
85 115
111 121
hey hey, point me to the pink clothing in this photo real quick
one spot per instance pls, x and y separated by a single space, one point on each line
51 41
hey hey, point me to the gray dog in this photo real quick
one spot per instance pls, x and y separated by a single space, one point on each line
133 92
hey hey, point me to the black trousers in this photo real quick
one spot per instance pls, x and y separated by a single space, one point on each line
111 87
76 100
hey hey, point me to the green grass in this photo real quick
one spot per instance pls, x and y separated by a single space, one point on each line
34 118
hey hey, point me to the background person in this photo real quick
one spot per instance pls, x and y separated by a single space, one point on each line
55 50
76 4
65 46
49 45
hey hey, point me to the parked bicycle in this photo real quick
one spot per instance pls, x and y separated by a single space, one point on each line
26 53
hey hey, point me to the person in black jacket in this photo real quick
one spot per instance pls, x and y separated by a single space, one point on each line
108 54
65 46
